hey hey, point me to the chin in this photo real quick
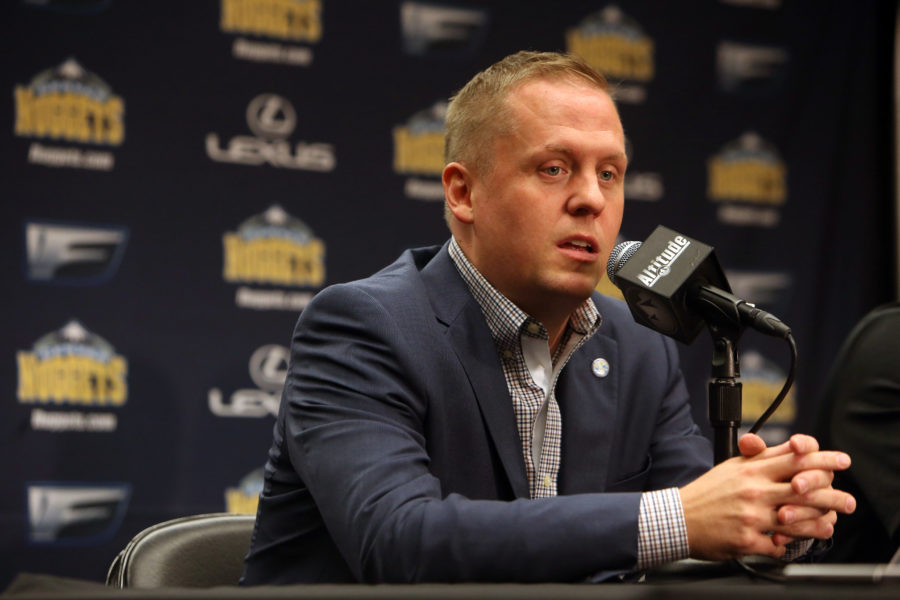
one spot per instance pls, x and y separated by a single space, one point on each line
579 290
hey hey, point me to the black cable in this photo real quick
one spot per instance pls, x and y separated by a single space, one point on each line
784 390
776 577
759 423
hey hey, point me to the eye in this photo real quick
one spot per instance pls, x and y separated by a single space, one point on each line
607 175
553 171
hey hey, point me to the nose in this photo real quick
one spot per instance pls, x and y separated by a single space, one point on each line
588 197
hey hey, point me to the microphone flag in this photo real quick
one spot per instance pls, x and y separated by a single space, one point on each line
657 276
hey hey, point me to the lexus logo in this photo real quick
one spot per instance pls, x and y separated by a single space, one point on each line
268 367
271 116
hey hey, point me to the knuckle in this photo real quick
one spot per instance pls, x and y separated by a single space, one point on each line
751 495
747 519
820 478
746 541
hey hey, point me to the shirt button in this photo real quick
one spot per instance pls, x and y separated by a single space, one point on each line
548 481
507 354
533 328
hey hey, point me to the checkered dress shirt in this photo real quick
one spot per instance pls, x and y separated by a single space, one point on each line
523 346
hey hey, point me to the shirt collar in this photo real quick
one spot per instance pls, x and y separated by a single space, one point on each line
507 321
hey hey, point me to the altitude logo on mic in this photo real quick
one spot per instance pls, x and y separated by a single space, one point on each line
662 264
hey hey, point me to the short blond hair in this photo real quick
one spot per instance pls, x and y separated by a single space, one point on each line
478 113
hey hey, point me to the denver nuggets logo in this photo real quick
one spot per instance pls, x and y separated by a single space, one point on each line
274 248
72 366
70 103
614 44
419 144
748 169
294 20
244 498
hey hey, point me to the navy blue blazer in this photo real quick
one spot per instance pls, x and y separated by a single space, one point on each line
396 455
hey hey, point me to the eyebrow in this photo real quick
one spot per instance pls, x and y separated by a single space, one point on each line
568 152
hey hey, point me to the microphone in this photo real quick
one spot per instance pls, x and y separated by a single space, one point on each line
674 284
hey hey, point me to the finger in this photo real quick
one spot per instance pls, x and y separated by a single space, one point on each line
751 444
821 528
762 544
803 444
779 539
772 547
811 480
791 513
784 467
826 500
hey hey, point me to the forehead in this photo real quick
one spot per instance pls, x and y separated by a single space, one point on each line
544 108
564 97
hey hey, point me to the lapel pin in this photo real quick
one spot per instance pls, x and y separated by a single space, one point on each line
600 367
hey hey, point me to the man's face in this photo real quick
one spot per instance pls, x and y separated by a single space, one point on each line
547 214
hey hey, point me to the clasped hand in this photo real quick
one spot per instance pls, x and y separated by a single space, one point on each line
758 502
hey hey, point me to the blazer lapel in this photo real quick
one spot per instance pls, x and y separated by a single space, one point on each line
588 404
470 339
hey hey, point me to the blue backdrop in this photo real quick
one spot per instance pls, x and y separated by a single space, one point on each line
179 178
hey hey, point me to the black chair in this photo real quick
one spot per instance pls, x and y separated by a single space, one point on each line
860 414
196 551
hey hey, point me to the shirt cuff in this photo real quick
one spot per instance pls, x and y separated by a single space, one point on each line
797 549
662 533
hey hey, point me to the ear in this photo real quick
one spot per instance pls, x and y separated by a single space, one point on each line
457 180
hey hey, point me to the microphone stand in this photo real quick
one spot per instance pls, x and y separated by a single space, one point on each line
724 390
722 312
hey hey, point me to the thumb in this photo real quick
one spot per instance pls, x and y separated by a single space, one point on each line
751 444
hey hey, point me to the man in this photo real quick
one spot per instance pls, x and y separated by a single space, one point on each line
477 412
860 411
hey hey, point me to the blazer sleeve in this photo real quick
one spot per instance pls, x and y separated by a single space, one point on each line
354 417
681 452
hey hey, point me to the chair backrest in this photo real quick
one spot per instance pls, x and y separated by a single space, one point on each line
196 551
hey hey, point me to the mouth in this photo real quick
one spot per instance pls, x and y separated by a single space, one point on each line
579 245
